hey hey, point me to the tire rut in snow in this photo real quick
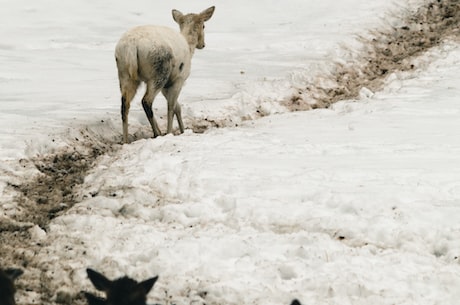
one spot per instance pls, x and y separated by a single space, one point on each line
386 51
52 191
40 199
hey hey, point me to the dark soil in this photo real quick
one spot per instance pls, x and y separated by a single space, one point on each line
41 198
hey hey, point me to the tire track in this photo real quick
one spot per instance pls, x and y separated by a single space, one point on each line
40 199
386 51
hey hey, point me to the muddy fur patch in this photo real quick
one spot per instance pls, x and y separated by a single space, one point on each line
161 59
384 52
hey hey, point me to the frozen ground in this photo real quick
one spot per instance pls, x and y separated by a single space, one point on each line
357 204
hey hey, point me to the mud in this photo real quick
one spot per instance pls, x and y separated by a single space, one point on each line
41 198
51 192
384 51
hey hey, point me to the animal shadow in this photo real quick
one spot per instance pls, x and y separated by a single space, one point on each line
121 291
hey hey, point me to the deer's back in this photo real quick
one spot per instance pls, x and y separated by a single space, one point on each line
157 47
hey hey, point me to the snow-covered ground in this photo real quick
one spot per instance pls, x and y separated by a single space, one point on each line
58 66
357 204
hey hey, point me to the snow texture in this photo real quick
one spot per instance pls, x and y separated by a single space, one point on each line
356 204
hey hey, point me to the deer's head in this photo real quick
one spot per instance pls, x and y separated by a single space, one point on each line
192 26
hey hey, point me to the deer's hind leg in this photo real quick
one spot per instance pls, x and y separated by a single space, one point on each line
172 94
147 102
128 89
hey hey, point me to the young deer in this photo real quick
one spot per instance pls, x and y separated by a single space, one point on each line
122 291
161 58
7 289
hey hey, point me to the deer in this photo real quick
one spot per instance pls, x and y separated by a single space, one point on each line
121 291
7 288
161 58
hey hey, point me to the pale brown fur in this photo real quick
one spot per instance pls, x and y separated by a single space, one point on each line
161 58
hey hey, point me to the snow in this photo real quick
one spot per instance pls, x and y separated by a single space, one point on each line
357 204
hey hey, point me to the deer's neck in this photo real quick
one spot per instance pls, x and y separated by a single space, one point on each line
192 41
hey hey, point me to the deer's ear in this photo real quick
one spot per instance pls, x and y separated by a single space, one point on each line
99 281
177 15
207 13
147 285
13 273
